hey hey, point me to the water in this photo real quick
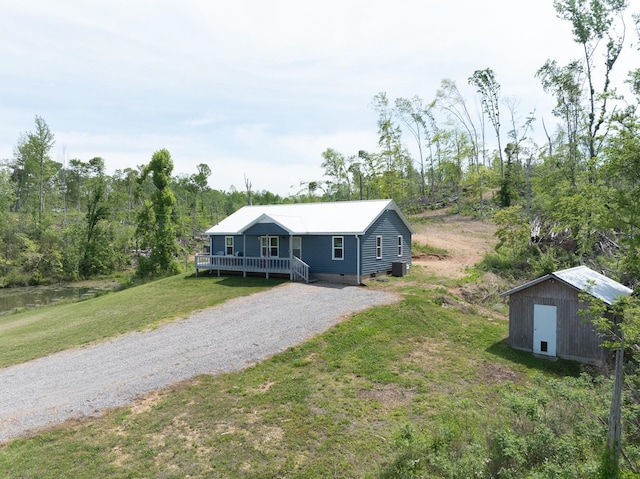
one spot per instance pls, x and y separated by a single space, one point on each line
34 296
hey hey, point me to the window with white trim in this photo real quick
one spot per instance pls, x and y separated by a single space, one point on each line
338 247
228 245
378 247
270 246
399 245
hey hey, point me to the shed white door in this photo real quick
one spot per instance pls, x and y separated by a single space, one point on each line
544 329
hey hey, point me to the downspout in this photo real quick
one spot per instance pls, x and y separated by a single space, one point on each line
290 257
358 260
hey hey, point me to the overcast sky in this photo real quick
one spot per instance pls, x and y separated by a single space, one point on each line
255 88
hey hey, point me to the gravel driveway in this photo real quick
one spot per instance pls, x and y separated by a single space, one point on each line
241 332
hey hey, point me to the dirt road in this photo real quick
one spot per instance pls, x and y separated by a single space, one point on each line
466 241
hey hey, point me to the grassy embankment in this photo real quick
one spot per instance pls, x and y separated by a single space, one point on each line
337 406
37 332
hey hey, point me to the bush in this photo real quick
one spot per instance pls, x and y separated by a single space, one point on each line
553 259
533 433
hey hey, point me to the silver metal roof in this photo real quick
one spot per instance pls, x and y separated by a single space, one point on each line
584 279
346 217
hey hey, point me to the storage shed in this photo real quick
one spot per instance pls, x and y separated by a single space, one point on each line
544 319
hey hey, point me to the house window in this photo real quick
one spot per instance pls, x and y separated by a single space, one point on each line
399 245
228 245
270 246
338 247
378 247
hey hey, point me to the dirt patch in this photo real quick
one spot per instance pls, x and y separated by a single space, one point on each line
388 396
495 373
426 355
465 240
146 403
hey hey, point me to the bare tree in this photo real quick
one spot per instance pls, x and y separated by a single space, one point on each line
451 101
489 90
247 185
412 113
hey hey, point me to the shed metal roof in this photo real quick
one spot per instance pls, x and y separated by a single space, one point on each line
584 279
347 217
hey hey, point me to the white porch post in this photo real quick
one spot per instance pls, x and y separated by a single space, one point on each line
290 257
244 255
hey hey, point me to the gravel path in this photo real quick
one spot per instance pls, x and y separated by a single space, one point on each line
241 332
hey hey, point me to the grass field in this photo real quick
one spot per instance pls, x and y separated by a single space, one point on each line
38 332
410 390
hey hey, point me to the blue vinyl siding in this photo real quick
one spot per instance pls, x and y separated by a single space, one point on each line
317 250
389 226
251 243
218 244
263 229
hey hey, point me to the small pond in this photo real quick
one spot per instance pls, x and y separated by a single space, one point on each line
34 296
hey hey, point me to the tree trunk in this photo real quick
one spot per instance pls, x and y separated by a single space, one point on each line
614 445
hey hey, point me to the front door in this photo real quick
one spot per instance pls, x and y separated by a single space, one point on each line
544 329
296 247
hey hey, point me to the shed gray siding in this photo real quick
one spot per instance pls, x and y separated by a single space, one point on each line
576 338
389 226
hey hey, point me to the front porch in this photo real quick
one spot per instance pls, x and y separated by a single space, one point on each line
297 269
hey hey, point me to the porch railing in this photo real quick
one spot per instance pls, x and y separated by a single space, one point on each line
297 269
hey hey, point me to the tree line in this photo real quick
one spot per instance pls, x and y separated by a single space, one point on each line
570 199
69 221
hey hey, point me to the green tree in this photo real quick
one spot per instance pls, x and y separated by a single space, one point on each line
507 192
592 21
519 136
336 168
96 250
33 168
7 198
392 155
156 222
453 104
201 179
489 89
513 231
412 113
622 170
565 84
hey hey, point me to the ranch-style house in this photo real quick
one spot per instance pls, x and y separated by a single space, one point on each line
343 242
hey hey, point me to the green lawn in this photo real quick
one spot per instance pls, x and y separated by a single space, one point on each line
392 390
38 332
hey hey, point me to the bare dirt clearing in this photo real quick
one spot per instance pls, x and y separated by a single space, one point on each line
465 240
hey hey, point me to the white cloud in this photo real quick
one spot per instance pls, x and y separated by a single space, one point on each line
249 86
